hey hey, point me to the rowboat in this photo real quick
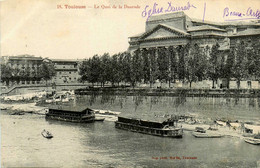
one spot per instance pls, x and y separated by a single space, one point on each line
206 135
47 134
253 141
202 133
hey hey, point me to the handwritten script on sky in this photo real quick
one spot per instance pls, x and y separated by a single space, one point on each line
228 14
249 13
155 9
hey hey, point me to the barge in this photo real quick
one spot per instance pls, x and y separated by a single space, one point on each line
71 114
152 126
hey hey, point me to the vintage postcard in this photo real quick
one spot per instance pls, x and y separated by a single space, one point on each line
127 83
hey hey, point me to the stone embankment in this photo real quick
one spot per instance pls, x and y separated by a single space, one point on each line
243 93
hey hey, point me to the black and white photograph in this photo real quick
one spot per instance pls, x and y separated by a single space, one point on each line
130 84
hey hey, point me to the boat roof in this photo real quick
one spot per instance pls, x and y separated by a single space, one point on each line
78 109
145 117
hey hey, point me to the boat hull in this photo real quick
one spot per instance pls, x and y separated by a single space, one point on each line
45 135
252 141
85 119
172 133
206 135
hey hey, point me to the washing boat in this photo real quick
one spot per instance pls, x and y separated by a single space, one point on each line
159 126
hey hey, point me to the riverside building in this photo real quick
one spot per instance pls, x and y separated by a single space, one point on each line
175 30
25 69
66 71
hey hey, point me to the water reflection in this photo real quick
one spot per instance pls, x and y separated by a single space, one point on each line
235 108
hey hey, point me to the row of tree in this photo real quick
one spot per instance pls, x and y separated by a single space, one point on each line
14 74
189 63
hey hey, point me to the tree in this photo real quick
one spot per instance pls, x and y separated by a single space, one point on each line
182 64
256 52
253 61
228 67
153 54
127 67
173 67
105 69
47 71
146 65
115 71
192 66
136 68
163 64
25 73
214 66
95 70
240 70
84 70
6 73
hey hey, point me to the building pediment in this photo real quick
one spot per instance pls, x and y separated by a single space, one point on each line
163 31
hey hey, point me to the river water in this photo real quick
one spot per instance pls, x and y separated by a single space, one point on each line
101 145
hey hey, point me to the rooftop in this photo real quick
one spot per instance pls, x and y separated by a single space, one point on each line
234 23
145 117
204 27
65 60
247 32
166 16
77 109
24 57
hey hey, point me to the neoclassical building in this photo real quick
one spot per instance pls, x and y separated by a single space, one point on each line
175 30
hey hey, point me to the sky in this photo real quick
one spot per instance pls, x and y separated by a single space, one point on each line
42 28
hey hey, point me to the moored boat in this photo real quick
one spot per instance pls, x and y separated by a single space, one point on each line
152 126
71 114
253 141
206 135
202 133
99 119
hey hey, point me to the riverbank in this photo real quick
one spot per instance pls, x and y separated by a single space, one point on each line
233 129
239 93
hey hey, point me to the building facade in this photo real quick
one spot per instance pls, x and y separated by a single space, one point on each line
175 30
66 71
24 69
178 29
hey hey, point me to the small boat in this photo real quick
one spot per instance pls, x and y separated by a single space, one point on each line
47 134
213 128
253 141
201 133
99 119
206 135
200 129
17 113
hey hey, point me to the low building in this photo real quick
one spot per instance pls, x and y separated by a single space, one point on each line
24 69
66 71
